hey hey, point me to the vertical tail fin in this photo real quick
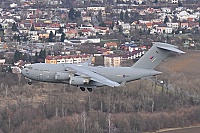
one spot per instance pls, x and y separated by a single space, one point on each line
158 52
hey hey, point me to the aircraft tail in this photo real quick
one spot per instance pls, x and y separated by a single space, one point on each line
158 52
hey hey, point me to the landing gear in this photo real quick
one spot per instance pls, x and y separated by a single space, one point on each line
82 88
29 82
89 89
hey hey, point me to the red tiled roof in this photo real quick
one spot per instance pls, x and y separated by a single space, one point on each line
101 28
72 32
111 44
55 25
108 22
49 57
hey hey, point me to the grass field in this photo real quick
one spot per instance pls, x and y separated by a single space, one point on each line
188 64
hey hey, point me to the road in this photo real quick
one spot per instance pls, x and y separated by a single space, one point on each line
183 130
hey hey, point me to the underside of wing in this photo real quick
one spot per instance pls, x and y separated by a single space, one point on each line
84 72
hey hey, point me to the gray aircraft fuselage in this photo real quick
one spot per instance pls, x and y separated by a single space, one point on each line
47 73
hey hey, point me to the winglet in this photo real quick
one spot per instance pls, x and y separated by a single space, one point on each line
89 61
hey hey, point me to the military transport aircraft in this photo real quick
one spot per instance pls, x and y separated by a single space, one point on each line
85 76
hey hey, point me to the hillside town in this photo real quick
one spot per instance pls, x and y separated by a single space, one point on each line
113 34
114 31
117 33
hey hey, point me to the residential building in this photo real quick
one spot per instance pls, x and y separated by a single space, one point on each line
72 33
112 60
184 25
111 45
69 59
172 25
95 10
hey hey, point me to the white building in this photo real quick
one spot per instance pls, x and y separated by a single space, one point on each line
172 25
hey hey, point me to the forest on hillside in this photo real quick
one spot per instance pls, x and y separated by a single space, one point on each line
142 106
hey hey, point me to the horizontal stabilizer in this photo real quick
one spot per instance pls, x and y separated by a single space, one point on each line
171 49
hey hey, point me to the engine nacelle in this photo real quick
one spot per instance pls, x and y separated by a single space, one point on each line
62 76
78 81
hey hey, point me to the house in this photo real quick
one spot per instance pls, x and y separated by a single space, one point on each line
43 35
174 1
149 25
166 9
162 28
136 54
111 45
70 59
51 60
96 10
72 33
86 25
126 26
2 61
173 25
101 30
193 24
112 60
183 15
34 37
184 25
40 26
88 32
86 18
103 51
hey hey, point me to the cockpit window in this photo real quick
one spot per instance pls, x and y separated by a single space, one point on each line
30 67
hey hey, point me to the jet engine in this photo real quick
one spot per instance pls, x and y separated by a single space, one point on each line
78 81
62 76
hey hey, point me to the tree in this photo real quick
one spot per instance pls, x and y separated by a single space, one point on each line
14 27
36 57
62 38
60 30
102 24
25 39
17 56
77 14
18 39
49 52
51 36
72 13
126 16
135 2
99 17
42 55
180 4
32 28
166 19
122 15
15 37
111 26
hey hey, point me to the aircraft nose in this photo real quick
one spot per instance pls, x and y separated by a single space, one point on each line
24 71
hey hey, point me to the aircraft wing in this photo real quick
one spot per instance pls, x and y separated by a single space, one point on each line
93 76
